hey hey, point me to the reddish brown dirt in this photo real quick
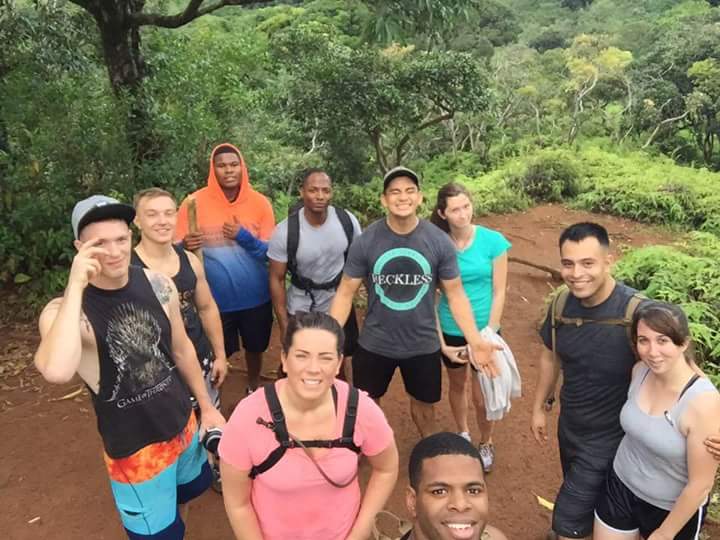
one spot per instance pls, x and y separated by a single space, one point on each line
52 480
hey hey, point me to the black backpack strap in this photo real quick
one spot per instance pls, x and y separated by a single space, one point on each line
347 226
351 410
293 240
279 428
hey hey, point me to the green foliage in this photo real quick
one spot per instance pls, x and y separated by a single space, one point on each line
650 189
550 177
687 274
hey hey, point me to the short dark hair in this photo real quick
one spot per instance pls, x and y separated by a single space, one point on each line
313 319
438 444
667 319
225 149
307 173
580 231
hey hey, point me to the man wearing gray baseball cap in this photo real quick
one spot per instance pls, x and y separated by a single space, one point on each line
120 329
403 260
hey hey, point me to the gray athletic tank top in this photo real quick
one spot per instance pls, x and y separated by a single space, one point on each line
652 457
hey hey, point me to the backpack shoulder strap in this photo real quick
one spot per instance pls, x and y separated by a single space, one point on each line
557 306
351 410
278 427
293 240
632 305
347 226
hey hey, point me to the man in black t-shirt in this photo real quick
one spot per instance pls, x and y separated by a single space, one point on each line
597 362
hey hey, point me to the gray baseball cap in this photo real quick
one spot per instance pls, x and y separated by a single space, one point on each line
395 172
99 208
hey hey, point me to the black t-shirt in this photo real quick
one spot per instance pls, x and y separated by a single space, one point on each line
597 362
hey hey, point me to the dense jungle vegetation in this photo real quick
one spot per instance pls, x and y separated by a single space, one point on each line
608 105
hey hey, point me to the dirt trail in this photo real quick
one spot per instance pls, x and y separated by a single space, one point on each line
52 467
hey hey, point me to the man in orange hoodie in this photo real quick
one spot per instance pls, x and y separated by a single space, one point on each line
234 224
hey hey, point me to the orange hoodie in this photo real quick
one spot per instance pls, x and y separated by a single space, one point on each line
238 276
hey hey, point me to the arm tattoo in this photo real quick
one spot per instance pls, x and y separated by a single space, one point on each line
161 288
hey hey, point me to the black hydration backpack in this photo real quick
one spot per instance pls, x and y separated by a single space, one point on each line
278 426
293 240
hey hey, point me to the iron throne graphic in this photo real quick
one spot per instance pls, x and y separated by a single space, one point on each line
133 336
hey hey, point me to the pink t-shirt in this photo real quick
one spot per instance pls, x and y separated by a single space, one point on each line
292 499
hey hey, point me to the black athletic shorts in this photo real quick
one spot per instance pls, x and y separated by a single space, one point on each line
621 511
455 341
253 326
584 470
422 375
351 334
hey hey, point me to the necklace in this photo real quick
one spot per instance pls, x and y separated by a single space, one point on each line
462 244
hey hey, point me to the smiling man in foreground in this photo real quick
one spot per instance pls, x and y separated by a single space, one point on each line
447 497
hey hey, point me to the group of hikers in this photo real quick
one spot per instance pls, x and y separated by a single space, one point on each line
149 330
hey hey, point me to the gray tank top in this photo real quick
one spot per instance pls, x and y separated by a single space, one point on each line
652 457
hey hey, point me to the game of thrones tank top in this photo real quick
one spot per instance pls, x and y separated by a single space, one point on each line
141 398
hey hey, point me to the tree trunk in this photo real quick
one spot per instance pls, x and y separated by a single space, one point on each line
126 70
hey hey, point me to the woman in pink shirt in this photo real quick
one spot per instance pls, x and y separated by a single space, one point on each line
309 493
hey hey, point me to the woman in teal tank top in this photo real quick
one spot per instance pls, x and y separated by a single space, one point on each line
482 258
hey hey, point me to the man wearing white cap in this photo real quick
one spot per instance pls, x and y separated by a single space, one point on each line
120 329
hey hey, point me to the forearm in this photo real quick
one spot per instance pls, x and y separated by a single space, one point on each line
244 522
379 489
278 296
691 498
189 367
341 305
496 311
212 324
463 315
254 246
58 356
547 379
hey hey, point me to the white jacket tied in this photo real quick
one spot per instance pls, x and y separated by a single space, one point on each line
507 385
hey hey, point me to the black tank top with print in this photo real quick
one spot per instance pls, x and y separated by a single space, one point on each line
186 282
141 398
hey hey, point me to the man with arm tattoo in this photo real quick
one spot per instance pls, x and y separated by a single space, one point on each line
120 329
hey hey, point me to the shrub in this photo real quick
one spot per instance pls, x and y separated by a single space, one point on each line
550 177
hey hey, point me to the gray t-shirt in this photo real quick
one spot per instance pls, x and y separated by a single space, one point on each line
320 256
401 273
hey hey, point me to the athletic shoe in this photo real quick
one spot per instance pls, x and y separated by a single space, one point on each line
465 435
487 455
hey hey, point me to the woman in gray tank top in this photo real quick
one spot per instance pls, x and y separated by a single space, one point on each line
662 474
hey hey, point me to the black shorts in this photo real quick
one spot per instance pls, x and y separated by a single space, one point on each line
584 472
351 334
253 326
455 341
422 375
621 511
